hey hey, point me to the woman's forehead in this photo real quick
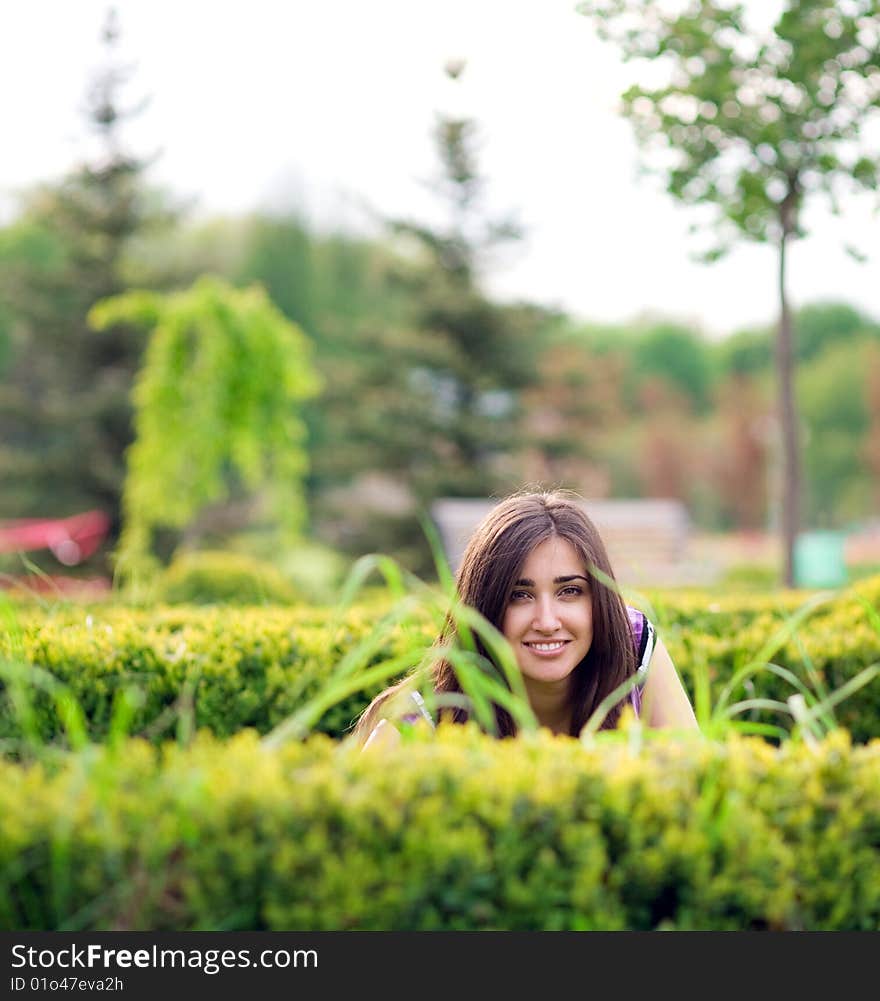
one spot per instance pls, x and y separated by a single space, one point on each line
554 557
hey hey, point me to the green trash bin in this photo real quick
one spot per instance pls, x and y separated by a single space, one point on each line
818 559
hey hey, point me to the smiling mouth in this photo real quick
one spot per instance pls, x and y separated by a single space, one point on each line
547 647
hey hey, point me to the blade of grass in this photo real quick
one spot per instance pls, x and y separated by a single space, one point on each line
497 646
40 574
186 709
473 684
14 675
447 581
873 615
72 717
32 593
393 575
629 595
477 676
822 692
747 704
444 572
702 691
597 718
758 729
864 677
806 727
772 646
358 655
298 725
19 678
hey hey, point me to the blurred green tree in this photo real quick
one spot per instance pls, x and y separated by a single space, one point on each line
342 289
27 248
65 415
834 391
483 353
871 447
681 357
742 451
422 369
669 456
371 420
280 254
817 325
217 403
569 410
820 325
753 123
745 353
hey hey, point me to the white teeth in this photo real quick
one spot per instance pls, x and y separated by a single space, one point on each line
546 646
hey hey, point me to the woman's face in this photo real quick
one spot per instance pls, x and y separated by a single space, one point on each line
549 616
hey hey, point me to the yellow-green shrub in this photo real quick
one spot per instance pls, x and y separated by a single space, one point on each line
206 577
829 648
230 668
456 831
255 666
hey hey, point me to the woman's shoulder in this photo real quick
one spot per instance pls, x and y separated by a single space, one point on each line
384 733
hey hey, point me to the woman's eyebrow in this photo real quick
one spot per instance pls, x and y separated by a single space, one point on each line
525 582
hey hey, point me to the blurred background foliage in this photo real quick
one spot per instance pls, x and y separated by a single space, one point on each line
430 387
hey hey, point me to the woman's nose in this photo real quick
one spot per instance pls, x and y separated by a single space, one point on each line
546 617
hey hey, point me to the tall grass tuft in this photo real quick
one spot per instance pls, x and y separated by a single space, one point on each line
807 714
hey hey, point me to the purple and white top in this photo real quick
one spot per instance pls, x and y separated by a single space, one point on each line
644 639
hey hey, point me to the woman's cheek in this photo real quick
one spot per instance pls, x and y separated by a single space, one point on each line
508 624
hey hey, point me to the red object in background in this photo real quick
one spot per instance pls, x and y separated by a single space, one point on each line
71 540
56 586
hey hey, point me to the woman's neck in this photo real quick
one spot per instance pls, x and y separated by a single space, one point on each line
551 704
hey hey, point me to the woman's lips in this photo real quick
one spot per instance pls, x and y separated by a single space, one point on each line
546 648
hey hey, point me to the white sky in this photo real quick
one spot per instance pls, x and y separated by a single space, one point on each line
320 103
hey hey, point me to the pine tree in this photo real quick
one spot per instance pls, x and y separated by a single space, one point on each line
482 351
65 413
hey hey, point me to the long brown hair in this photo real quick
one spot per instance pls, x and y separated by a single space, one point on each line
491 563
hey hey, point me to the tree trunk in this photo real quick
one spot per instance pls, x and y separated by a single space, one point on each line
787 420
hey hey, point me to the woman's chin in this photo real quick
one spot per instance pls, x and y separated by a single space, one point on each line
546 670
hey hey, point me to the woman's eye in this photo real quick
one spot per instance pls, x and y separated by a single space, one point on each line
573 589
519 595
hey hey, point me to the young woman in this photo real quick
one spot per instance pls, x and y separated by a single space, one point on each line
537 569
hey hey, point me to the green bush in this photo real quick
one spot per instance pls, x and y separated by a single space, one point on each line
219 668
317 571
228 668
861 571
749 577
210 577
453 831
837 641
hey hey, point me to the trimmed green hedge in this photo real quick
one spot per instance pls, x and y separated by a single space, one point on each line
233 667
255 666
453 831
207 577
836 641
